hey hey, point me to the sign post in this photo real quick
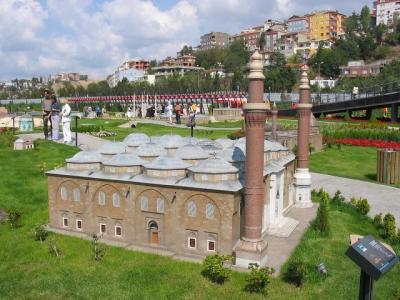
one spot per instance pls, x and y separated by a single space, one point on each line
374 259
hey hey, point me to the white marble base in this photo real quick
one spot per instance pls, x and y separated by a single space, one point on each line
302 188
284 228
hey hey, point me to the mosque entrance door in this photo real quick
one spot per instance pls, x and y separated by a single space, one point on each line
153 227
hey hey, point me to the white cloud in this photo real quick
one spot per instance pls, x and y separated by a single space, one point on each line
39 38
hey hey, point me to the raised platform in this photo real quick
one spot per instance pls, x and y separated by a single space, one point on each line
284 228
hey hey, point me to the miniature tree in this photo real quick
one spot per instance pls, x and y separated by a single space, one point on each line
214 269
97 250
258 279
321 222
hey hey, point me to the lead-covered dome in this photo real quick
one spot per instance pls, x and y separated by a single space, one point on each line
191 153
150 151
214 170
85 160
112 148
134 140
165 167
224 142
124 163
210 146
232 154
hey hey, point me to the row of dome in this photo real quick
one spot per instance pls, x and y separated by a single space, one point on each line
170 153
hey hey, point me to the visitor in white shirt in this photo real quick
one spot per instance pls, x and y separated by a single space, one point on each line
66 121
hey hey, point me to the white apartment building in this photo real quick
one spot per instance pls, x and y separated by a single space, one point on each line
387 11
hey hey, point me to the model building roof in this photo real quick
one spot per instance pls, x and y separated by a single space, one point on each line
136 139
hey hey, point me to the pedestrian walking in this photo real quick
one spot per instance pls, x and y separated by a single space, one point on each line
47 103
168 112
66 121
55 118
178 109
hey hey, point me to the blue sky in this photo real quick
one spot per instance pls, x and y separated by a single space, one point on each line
42 37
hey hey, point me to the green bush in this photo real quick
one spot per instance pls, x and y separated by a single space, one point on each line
389 226
378 220
353 201
296 272
321 222
258 279
13 217
214 269
363 206
338 197
236 135
41 233
87 128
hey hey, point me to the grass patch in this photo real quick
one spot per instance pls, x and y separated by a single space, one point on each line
151 129
28 271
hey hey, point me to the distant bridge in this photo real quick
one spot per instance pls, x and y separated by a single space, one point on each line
381 96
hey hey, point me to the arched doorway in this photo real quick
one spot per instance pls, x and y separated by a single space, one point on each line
153 229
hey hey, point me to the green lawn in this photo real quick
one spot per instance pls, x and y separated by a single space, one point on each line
153 129
348 161
28 271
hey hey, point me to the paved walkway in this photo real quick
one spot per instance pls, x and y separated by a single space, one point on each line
163 123
383 199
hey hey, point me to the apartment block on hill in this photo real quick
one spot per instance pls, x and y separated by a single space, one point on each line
387 12
326 25
213 40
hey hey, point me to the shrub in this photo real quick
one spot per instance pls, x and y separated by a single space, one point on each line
236 135
53 248
363 206
13 217
258 279
378 220
389 226
214 270
320 192
296 272
338 197
339 146
321 222
353 201
97 250
41 233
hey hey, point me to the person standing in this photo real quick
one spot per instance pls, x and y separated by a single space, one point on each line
47 103
178 109
129 113
192 114
55 118
66 121
168 112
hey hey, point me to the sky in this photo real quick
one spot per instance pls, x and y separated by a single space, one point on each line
42 37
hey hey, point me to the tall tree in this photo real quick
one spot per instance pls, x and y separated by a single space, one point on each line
365 19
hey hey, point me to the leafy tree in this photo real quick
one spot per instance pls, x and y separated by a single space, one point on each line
214 270
367 46
237 56
261 41
365 19
258 279
379 33
351 24
321 222
296 272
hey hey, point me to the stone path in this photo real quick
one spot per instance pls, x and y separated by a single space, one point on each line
383 199
163 123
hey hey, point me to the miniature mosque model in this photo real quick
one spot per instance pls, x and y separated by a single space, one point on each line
185 196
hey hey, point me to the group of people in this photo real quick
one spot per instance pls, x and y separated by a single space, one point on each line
52 111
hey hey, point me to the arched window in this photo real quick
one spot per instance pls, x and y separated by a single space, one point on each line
102 198
210 211
144 203
77 195
192 209
160 205
116 200
64 193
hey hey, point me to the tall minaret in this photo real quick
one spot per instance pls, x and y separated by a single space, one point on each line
302 177
251 248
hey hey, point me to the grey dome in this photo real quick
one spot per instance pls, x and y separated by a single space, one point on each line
150 150
167 163
273 146
213 166
226 143
111 148
190 140
136 139
192 152
170 141
232 154
210 146
125 160
85 157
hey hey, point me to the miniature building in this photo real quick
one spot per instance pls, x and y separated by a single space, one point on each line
188 201
21 144
26 123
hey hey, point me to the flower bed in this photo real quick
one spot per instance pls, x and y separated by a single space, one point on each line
369 143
